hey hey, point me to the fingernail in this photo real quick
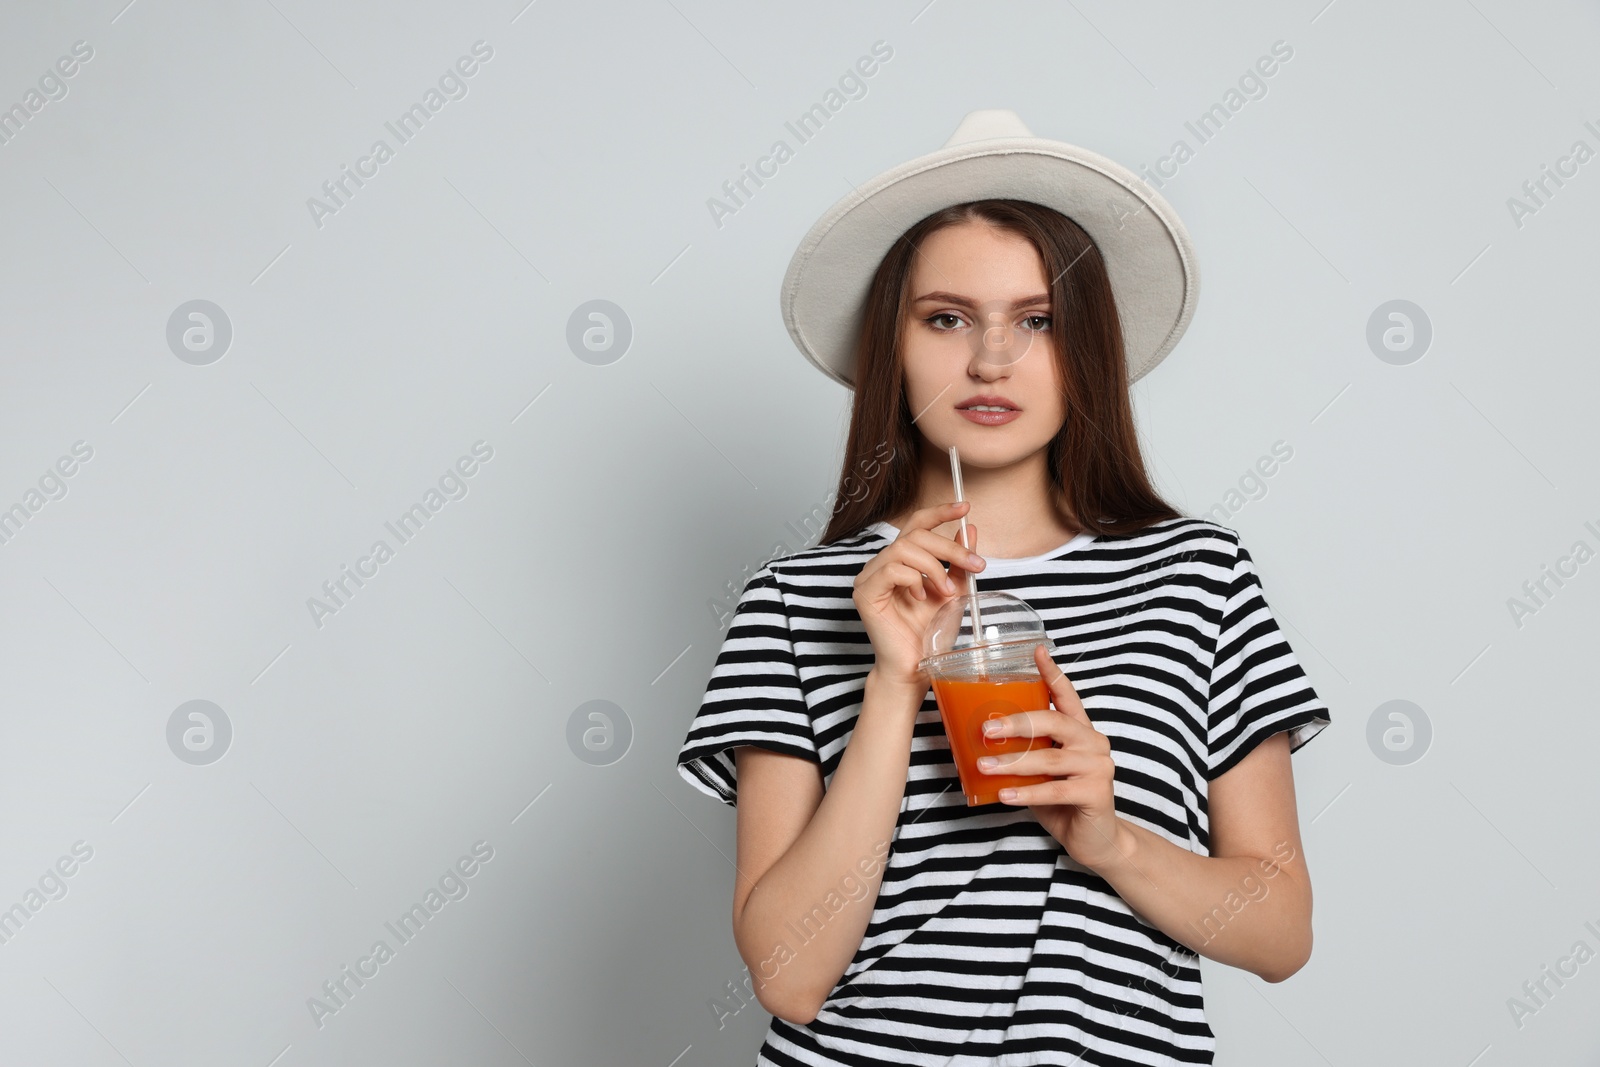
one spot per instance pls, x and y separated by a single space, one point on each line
991 728
949 586
986 762
974 560
1008 794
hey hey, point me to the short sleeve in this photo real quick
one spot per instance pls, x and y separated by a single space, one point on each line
1258 687
754 696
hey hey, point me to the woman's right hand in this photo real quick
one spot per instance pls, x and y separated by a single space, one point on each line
900 589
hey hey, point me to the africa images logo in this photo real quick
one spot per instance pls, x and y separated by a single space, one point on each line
341 190
852 85
338 991
452 485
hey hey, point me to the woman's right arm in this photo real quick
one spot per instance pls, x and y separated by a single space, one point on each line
799 843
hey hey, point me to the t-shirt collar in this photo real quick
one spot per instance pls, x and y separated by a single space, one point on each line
1001 564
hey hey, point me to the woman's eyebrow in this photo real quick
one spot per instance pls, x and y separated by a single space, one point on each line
966 301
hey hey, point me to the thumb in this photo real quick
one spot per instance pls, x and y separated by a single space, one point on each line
959 574
1063 694
971 544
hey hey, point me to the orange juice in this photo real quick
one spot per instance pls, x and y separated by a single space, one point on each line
965 704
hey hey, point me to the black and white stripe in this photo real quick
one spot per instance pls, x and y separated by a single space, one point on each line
987 943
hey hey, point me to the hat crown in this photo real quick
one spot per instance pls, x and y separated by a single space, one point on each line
986 124
1149 256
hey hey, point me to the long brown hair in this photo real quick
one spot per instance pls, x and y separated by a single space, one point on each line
1094 460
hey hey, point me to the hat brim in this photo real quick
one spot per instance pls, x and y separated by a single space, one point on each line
1147 251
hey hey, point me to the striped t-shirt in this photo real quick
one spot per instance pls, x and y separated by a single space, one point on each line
987 943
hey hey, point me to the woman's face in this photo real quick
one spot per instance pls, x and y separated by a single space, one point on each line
979 326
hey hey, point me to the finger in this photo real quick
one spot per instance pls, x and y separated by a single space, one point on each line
970 562
1078 791
935 515
902 564
976 561
923 519
929 566
1062 693
929 553
1061 728
966 539
903 575
1053 761
948 551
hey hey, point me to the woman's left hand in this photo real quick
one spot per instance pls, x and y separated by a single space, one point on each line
1078 807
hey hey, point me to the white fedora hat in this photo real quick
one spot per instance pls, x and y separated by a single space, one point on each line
992 155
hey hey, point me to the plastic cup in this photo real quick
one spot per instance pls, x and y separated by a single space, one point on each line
977 677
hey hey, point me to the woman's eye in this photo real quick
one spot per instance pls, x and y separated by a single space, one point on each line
935 320
1044 320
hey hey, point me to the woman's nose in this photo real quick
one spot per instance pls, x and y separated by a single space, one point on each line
987 370
996 350
998 343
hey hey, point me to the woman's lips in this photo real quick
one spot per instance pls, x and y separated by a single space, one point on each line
988 418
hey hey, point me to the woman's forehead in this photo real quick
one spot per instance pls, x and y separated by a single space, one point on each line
982 263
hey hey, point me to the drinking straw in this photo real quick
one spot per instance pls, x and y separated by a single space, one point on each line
972 582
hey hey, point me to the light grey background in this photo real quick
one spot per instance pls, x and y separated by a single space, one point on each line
431 312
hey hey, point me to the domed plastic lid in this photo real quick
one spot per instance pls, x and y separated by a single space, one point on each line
1006 620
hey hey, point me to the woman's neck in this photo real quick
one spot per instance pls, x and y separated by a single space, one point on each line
1013 507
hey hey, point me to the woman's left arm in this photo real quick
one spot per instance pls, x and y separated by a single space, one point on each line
1248 904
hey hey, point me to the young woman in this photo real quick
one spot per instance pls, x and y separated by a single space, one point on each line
882 919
